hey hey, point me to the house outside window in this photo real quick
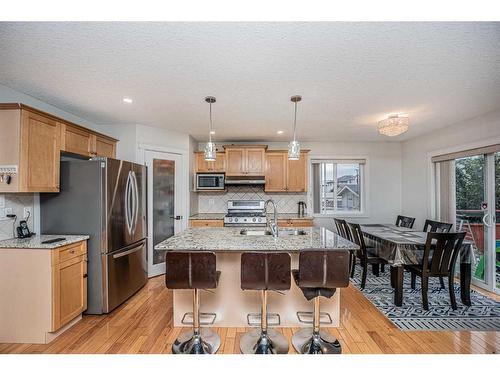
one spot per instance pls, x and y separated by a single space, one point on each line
338 186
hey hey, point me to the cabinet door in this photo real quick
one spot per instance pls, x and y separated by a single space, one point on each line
202 166
76 140
235 162
70 290
104 147
276 164
40 153
255 161
206 223
219 165
297 174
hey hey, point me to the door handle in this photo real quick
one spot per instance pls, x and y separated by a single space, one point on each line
178 217
484 220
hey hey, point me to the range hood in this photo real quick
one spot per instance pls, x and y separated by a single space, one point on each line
245 180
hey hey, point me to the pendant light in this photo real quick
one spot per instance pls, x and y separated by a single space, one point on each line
294 146
210 150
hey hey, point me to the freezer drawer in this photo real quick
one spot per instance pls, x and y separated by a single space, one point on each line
126 273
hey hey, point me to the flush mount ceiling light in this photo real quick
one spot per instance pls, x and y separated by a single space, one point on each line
210 150
280 132
127 100
294 146
393 125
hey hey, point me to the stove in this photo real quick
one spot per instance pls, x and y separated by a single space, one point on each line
245 213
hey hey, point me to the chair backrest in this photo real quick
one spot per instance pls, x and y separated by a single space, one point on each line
264 271
405 221
440 253
358 239
190 270
343 229
319 268
437 226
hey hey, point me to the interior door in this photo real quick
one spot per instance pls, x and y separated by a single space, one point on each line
165 208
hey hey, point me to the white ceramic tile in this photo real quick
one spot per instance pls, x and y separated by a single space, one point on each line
286 203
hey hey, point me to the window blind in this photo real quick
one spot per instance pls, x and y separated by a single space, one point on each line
465 153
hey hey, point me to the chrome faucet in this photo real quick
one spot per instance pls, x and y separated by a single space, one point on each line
273 226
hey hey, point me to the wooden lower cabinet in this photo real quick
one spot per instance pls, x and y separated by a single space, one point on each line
69 283
295 223
206 223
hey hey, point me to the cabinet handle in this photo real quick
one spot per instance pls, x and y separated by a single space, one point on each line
72 251
85 275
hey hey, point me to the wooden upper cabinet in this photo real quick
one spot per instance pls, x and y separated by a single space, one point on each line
76 140
276 165
245 160
283 175
203 166
39 154
104 146
32 141
255 161
297 174
235 162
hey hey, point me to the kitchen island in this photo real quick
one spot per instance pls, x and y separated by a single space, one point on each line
228 301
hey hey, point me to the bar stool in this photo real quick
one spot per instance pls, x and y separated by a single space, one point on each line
264 272
320 273
193 270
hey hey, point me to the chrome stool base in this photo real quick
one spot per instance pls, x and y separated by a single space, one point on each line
204 342
307 342
258 342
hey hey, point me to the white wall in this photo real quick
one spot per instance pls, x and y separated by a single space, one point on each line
383 175
416 153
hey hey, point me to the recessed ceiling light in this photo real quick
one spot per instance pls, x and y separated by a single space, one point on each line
127 100
280 132
212 132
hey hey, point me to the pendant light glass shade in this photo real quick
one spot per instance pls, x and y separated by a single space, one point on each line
210 149
294 146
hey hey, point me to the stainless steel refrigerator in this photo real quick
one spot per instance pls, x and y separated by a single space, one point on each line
106 199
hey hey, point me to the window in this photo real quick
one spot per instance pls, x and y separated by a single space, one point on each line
337 186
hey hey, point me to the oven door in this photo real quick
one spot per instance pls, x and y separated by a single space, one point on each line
126 273
209 181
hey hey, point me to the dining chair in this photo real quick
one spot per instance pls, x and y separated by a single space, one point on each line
405 221
439 260
344 231
437 226
364 254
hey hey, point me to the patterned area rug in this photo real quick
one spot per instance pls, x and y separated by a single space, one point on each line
483 315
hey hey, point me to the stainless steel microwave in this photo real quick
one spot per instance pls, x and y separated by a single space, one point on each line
210 181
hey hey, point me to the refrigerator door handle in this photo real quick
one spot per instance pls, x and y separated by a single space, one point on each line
128 252
127 204
135 200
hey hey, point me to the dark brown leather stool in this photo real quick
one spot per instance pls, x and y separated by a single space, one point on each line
320 273
264 271
193 270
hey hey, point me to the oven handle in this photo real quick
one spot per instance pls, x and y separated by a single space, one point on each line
128 252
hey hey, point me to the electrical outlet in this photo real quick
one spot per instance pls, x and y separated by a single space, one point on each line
27 212
8 211
2 213
211 202
2 201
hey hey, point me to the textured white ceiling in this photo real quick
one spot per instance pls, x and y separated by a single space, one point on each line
350 74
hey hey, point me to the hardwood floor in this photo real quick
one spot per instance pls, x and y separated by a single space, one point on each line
142 325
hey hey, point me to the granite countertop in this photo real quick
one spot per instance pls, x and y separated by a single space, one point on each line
35 242
229 239
215 216
220 216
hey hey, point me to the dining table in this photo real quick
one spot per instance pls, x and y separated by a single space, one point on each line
401 246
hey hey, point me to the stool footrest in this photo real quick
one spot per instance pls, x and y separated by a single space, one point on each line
206 319
308 317
254 319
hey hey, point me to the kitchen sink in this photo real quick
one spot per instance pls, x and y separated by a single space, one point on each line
282 232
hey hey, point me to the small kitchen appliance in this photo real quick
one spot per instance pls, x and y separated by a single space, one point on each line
302 209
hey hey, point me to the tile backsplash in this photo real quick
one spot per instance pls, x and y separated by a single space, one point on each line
16 202
211 202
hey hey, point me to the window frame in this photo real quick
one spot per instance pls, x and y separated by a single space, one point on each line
364 186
